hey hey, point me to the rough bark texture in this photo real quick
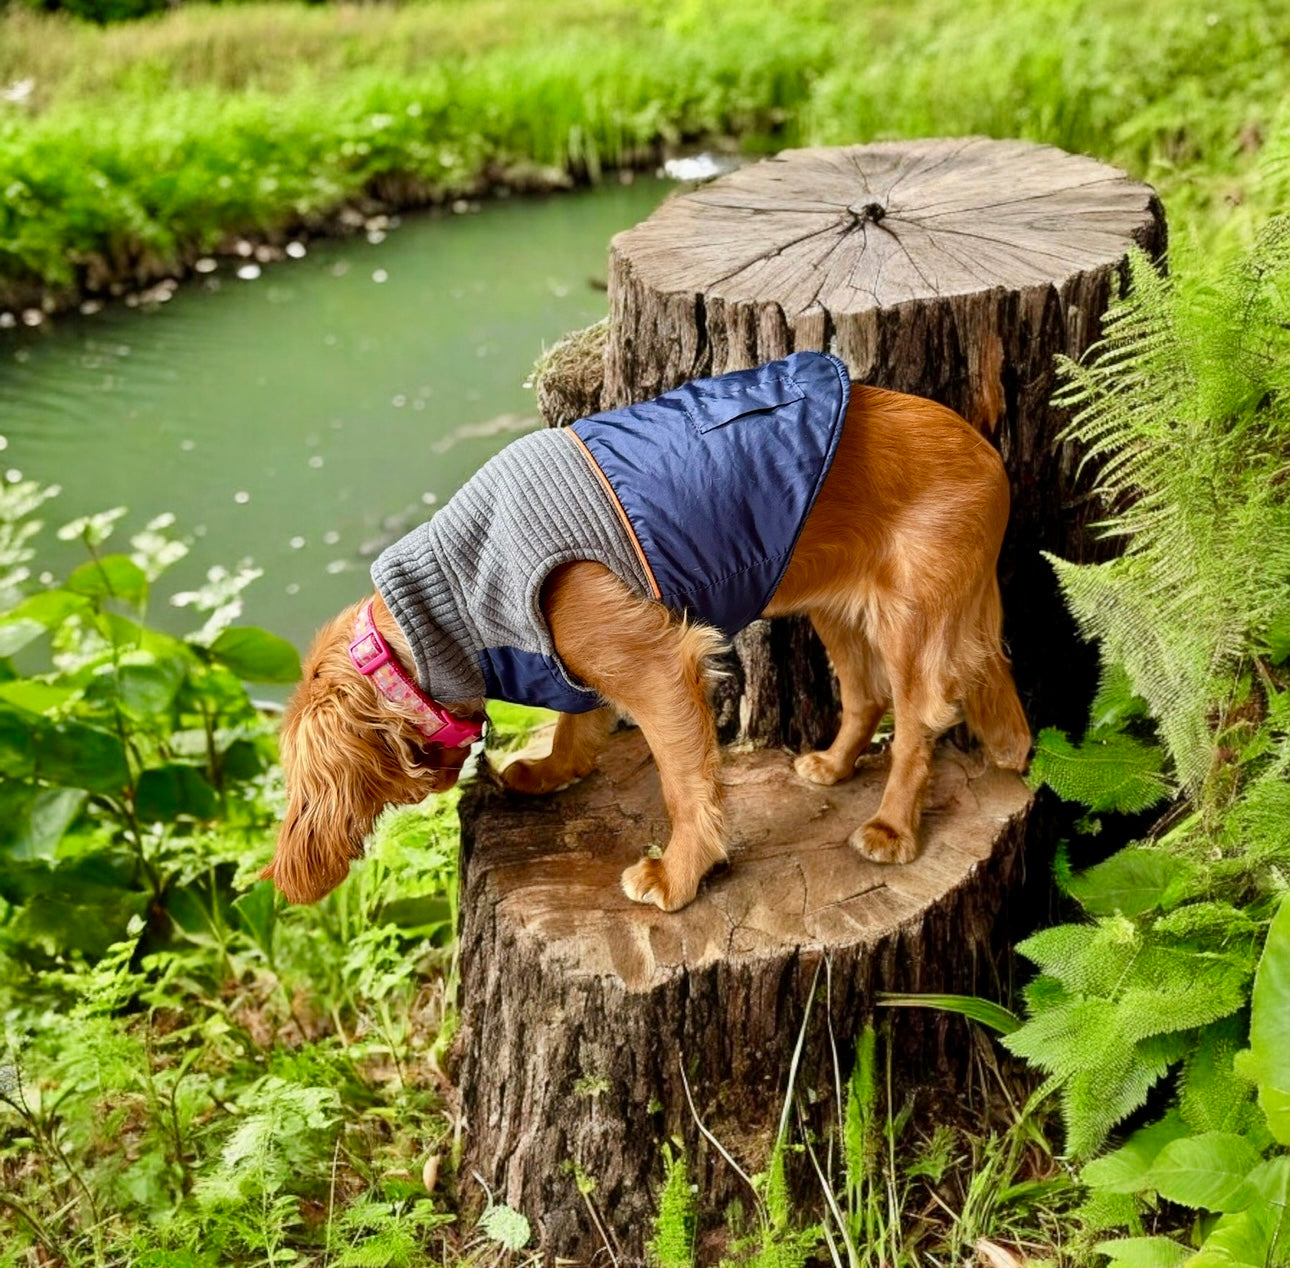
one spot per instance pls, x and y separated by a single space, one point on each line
581 1008
953 269
956 270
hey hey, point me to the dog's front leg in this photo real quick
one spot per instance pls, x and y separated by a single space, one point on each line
670 706
656 669
576 744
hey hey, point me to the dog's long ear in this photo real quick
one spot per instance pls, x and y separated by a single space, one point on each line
334 792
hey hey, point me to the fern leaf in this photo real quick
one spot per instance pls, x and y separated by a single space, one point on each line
672 1245
1112 773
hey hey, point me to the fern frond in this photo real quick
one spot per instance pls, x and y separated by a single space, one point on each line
1115 772
1184 409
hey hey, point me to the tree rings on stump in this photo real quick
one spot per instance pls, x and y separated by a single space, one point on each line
953 269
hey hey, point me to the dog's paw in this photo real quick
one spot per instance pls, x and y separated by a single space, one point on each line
881 843
820 768
648 882
533 777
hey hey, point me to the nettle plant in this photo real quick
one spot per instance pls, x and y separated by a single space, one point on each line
1165 1015
121 746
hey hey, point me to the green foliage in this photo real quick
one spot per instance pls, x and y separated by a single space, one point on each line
672 1245
507 1227
1185 959
119 745
148 144
1268 1062
188 1073
1105 772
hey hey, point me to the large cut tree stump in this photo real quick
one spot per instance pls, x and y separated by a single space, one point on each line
581 1008
956 270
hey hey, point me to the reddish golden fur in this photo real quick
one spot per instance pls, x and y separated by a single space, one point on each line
896 569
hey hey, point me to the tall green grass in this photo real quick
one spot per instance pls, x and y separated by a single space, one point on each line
139 146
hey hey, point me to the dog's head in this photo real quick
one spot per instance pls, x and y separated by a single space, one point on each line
346 753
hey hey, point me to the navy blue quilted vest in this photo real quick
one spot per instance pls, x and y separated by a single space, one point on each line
717 478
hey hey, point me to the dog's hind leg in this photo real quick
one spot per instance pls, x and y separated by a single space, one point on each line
922 708
657 669
576 744
862 683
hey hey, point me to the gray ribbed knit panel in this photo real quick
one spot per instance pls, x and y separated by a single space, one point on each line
471 578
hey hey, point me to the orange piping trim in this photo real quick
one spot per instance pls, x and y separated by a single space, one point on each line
618 506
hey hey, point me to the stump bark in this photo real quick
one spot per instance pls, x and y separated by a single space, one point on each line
956 270
953 269
586 1016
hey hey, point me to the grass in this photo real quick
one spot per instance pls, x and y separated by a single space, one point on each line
137 147
257 1091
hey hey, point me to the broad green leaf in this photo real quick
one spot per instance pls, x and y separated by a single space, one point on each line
74 755
200 911
33 820
1243 1240
984 1011
49 608
241 761
1133 881
112 576
34 696
146 690
1145 1252
1270 1181
64 922
166 793
257 911
428 912
126 633
255 655
1113 772
16 633
1209 1172
1269 1053
18 731
1128 1169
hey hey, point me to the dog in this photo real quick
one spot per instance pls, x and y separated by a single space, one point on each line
886 535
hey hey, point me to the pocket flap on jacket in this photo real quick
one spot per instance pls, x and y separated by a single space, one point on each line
708 409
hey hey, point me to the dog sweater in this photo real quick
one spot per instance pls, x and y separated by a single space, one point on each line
695 498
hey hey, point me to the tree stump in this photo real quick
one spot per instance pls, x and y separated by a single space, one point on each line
582 1009
952 269
956 270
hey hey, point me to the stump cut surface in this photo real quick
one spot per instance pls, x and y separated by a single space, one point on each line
891 223
552 867
590 1023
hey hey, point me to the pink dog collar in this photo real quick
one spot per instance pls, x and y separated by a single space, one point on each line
372 657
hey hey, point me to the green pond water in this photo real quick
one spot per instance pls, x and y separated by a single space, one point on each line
305 418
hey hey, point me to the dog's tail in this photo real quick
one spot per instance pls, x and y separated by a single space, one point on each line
990 702
995 715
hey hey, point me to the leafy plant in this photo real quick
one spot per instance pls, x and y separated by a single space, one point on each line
119 744
672 1245
1174 993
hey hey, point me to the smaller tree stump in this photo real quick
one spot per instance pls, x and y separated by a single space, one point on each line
581 1008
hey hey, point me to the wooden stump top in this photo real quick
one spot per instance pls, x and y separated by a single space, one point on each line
551 866
857 227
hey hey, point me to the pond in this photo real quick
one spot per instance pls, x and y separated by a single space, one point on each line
305 418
